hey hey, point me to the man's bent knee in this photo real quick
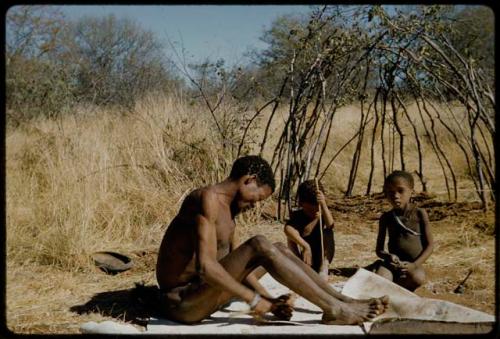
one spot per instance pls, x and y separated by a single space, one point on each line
281 245
262 246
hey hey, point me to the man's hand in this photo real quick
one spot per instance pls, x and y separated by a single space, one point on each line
307 255
262 307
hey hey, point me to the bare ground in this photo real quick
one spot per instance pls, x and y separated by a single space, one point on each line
47 299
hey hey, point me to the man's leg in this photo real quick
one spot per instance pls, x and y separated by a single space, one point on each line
258 251
318 280
294 248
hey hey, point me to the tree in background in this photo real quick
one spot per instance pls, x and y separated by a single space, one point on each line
34 84
114 61
53 63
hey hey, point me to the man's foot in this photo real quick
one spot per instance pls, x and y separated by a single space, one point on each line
356 312
283 306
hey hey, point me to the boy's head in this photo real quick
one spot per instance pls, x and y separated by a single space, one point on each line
255 179
306 196
398 188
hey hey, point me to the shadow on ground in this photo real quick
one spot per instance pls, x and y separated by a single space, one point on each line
134 305
343 271
350 271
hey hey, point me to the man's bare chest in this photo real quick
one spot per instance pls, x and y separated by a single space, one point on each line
225 227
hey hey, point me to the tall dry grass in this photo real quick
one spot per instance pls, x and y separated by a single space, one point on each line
101 179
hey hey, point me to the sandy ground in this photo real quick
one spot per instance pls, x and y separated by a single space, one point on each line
46 299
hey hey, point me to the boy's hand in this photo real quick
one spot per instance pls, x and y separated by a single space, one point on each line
394 260
307 255
320 197
406 267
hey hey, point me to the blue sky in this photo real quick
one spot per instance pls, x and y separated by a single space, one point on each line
215 31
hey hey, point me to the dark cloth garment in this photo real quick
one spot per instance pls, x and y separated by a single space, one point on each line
405 234
299 220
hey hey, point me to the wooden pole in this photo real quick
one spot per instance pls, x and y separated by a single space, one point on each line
320 225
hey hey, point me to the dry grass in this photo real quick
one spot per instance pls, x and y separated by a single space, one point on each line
104 180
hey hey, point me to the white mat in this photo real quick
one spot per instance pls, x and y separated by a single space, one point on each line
364 284
407 305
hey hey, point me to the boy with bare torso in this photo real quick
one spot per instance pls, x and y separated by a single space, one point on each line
410 239
198 271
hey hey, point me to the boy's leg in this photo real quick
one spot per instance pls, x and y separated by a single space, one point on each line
413 279
384 271
258 251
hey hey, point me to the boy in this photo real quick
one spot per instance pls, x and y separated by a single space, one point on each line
303 229
410 239
198 272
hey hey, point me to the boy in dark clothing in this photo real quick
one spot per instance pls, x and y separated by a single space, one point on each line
303 230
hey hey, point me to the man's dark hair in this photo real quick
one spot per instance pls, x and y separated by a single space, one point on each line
253 164
306 192
399 174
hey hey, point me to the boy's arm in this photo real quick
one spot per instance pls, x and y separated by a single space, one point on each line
294 235
206 259
427 239
325 211
379 249
310 226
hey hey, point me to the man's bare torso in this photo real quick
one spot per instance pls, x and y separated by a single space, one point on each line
177 257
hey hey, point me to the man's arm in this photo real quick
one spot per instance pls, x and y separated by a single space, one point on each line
206 260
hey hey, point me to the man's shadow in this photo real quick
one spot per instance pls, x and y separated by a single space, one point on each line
135 305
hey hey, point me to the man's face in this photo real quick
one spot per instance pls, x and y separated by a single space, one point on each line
398 192
251 192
